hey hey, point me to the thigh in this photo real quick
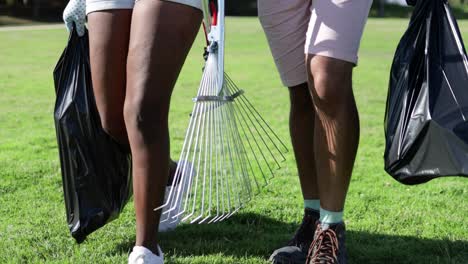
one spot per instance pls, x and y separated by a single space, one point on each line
336 27
193 3
109 33
162 34
101 5
285 24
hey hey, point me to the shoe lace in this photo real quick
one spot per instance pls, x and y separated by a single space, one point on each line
324 248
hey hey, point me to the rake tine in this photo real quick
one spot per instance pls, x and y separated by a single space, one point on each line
236 89
223 178
211 168
257 161
186 151
244 177
212 143
197 158
213 140
219 181
230 163
262 139
196 116
254 153
248 108
194 198
219 165
216 124
233 174
190 131
207 142
254 139
243 156
244 185
177 173
180 189
206 135
233 213
204 219
219 162
240 178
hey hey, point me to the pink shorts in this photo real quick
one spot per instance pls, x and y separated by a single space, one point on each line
331 28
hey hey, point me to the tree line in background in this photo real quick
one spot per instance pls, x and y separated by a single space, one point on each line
51 9
32 8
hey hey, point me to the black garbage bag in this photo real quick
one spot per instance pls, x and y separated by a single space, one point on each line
411 2
96 171
426 121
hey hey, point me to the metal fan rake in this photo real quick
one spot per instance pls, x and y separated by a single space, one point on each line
229 152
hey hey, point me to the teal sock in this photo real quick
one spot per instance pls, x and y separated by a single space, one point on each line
329 217
312 204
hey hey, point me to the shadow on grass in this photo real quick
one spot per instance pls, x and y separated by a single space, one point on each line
366 247
241 235
254 235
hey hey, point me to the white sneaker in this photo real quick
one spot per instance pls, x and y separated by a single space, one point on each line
142 255
169 224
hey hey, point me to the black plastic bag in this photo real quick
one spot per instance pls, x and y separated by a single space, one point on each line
426 121
96 171
411 2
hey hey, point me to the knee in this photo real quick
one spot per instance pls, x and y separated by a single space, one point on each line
332 89
148 121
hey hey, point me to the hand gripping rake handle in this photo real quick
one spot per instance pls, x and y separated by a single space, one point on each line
213 23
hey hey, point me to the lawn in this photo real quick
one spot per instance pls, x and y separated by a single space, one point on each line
387 222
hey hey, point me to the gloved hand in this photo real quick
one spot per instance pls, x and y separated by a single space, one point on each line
75 14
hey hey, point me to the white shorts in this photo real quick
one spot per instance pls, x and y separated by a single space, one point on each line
99 5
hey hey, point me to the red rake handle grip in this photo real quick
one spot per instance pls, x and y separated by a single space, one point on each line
214 13
214 19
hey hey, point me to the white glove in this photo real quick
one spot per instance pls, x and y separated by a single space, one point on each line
75 14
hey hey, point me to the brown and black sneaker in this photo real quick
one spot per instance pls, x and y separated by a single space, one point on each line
296 250
328 246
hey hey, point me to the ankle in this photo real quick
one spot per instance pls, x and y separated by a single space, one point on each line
312 204
330 217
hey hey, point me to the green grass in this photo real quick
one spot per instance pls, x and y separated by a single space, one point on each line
387 222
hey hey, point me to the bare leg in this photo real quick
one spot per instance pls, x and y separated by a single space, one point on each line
109 33
336 128
301 125
161 36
